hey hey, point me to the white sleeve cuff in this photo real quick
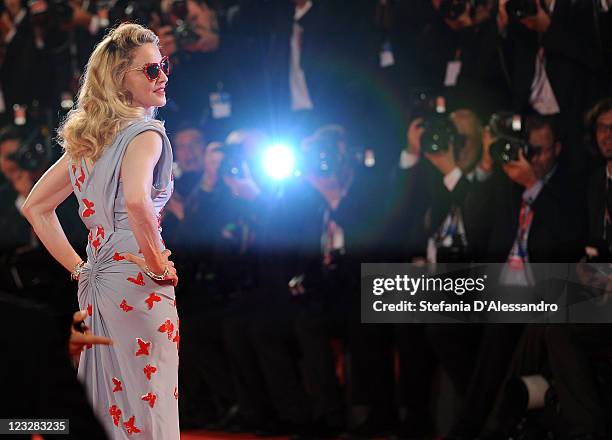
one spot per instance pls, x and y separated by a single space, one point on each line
452 178
482 175
9 37
408 160
94 25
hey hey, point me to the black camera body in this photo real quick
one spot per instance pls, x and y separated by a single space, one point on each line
322 159
520 9
33 153
134 10
508 130
453 9
507 150
439 134
51 13
234 160
184 33
439 131
322 153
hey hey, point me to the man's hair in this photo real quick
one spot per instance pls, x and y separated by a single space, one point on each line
11 132
189 126
536 122
590 122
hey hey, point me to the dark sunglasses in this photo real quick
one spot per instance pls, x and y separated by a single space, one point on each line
152 70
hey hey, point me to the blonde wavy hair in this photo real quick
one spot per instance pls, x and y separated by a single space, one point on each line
103 106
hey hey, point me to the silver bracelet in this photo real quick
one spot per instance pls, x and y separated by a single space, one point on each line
156 277
76 272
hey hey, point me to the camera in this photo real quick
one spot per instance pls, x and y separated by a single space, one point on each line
184 33
322 153
50 12
453 9
234 160
135 11
439 131
439 134
507 129
33 153
520 9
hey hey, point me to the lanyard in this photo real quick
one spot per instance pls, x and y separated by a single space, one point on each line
525 218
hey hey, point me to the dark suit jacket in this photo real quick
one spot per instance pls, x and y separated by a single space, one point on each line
564 49
23 67
319 54
596 198
557 229
417 205
15 228
37 378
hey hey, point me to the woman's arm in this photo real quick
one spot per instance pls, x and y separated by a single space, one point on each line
137 168
39 208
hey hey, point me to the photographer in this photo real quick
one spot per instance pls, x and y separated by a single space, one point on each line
573 350
27 268
313 236
424 212
534 198
536 219
216 233
22 60
464 56
548 51
303 51
189 34
569 357
13 193
599 123
431 181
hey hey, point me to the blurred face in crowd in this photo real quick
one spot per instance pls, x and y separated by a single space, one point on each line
545 150
213 158
146 93
189 150
603 134
8 167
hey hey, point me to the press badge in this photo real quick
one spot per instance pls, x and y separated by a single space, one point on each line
221 105
453 69
386 55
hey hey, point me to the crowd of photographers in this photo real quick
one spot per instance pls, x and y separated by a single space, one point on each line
427 131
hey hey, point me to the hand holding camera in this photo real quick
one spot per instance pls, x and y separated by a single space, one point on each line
444 160
415 132
540 22
486 161
521 171
243 187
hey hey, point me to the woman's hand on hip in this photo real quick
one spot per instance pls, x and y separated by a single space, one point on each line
172 276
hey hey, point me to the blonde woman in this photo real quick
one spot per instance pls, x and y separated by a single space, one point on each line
117 162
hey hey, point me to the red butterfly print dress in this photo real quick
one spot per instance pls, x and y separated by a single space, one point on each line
132 384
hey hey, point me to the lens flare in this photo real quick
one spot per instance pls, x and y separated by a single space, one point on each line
279 161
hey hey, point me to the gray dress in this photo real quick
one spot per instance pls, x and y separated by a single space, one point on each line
132 384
